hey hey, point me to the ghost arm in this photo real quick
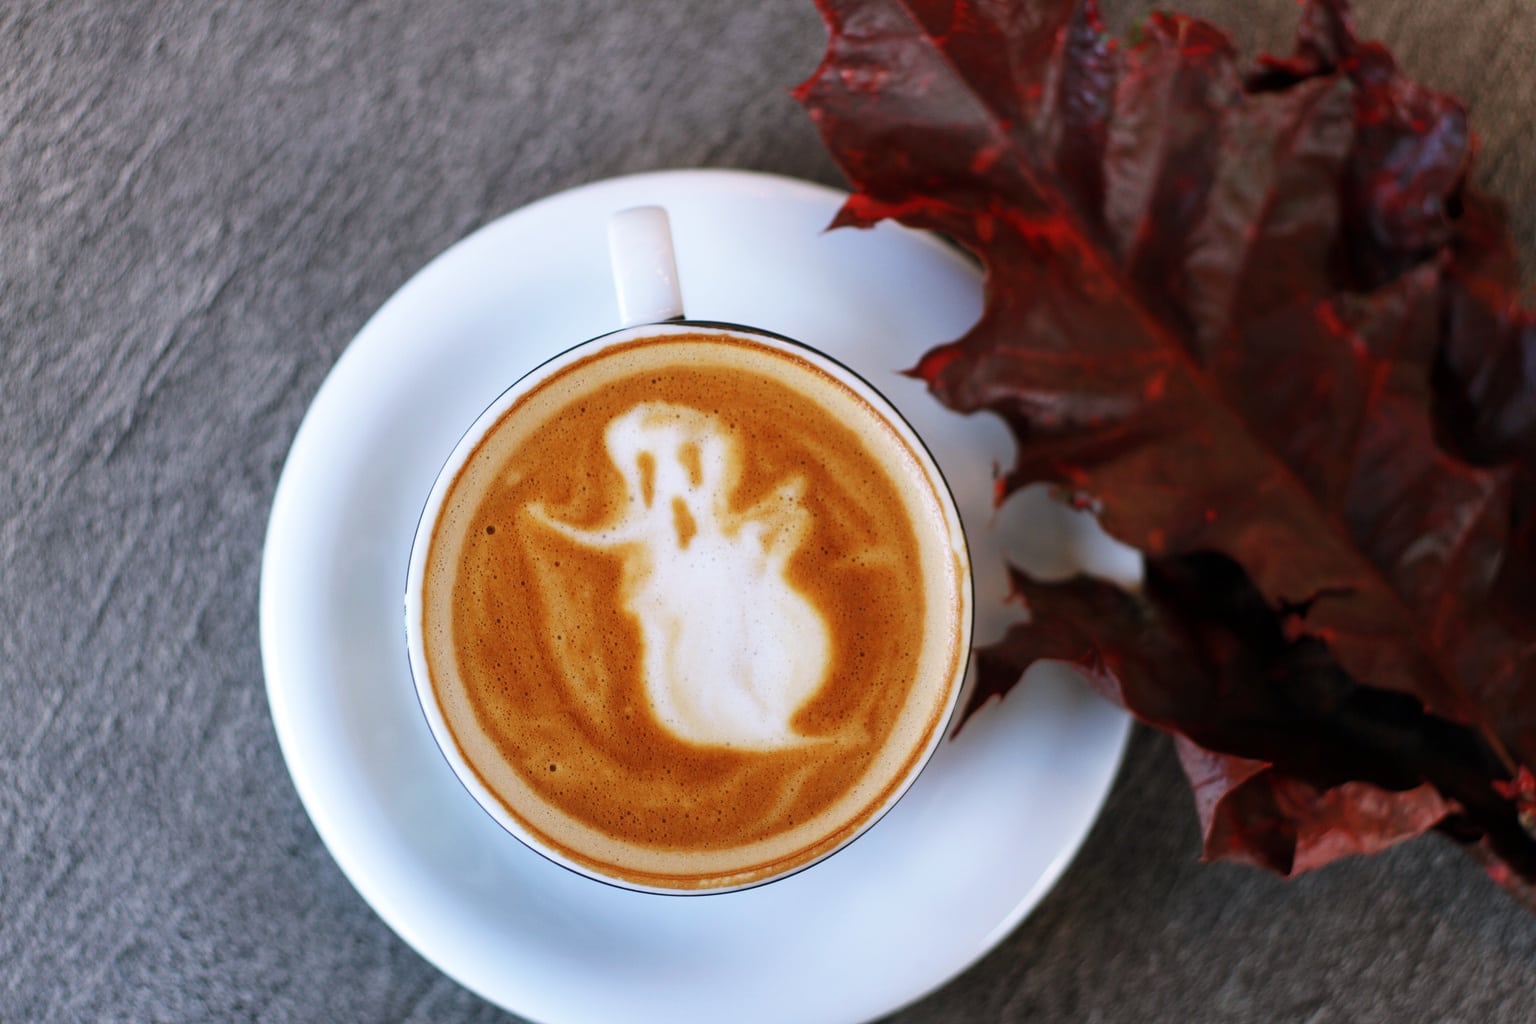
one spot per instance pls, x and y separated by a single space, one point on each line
780 521
604 538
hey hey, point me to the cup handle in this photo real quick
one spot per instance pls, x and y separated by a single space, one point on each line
644 268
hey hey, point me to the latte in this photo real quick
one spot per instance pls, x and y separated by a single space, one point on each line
695 609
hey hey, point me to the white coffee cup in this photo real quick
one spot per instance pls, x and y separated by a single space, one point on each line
650 304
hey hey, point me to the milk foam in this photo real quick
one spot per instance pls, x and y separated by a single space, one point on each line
731 649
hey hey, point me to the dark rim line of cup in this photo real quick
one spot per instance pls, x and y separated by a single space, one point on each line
943 733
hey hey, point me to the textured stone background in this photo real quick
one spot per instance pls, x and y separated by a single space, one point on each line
202 201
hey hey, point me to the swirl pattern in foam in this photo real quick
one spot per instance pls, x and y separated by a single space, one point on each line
694 610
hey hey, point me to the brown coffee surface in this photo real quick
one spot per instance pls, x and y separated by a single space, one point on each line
539 644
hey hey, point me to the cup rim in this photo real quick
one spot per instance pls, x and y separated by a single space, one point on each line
448 747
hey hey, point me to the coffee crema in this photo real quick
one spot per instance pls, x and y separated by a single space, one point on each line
694 610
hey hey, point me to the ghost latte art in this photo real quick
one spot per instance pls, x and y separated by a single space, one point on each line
694 609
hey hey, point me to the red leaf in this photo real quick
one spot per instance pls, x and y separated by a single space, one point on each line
1292 762
1250 812
1258 316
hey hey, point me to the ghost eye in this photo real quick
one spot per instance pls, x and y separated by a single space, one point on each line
692 461
646 463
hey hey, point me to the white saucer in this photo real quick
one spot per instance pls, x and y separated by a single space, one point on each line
952 869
